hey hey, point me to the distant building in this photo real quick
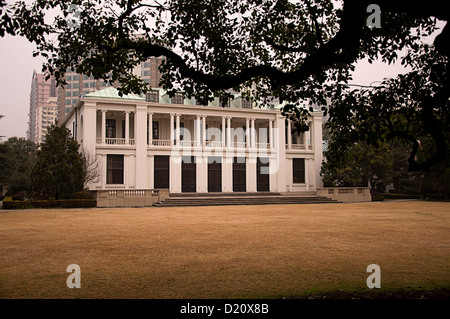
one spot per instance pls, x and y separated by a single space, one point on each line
41 91
81 84
46 115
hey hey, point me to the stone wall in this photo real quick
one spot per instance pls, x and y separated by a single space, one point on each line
131 198
346 194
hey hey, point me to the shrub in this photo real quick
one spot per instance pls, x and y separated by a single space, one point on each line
62 203
400 196
377 198
82 195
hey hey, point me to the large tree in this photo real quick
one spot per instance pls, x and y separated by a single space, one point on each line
411 108
298 51
59 168
16 159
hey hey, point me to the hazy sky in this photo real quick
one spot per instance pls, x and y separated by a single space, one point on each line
17 65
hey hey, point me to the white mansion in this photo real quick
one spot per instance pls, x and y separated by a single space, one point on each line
159 142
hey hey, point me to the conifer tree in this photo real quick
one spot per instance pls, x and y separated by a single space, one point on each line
59 168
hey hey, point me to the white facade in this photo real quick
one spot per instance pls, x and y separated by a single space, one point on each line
147 145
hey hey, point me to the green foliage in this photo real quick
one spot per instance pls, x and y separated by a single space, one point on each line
290 50
362 164
16 160
59 168
9 203
301 52
412 108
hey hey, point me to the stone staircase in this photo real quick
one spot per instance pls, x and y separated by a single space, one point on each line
260 198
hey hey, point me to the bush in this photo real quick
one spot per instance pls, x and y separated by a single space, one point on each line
62 203
20 196
400 196
82 195
377 198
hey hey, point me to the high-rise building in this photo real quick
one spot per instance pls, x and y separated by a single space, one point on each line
81 84
41 91
46 115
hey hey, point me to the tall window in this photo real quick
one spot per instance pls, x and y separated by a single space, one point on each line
152 96
114 169
155 128
298 170
110 128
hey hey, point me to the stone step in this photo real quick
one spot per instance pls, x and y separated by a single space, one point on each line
255 200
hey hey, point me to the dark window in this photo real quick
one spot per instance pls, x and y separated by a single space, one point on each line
298 169
161 172
152 96
224 102
155 128
177 98
246 104
110 128
114 169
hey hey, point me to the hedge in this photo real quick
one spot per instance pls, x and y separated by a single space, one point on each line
62 203
400 196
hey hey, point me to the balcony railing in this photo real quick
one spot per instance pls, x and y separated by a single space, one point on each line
116 141
161 142
262 145
213 143
238 144
301 147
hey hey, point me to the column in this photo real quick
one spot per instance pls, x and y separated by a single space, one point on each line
270 134
223 132
204 131
127 127
289 135
103 167
103 133
140 139
150 129
197 131
229 131
280 152
171 129
253 137
178 130
247 133
150 171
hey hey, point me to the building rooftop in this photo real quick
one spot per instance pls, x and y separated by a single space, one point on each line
113 93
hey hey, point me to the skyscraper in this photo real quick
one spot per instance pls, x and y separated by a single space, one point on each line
41 91
81 84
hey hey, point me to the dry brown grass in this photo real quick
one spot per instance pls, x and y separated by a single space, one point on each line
223 252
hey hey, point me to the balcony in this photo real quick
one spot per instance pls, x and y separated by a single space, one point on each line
163 143
299 147
116 141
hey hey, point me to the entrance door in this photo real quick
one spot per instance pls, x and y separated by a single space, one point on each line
239 175
214 174
161 172
188 174
262 174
